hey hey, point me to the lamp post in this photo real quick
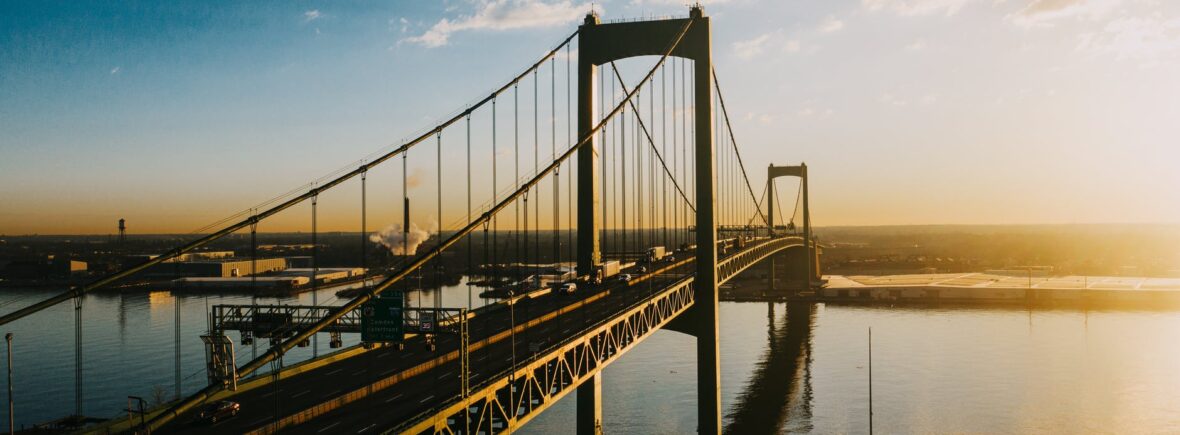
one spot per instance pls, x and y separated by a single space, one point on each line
8 339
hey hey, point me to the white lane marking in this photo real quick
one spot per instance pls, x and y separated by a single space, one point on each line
426 399
366 428
328 427
300 394
446 375
382 355
332 394
393 398
388 371
359 372
334 372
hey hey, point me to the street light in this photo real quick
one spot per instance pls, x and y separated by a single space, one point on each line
8 338
512 374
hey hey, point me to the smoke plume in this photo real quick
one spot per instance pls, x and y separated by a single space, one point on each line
392 236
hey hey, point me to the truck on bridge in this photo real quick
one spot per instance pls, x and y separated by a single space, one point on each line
656 253
606 270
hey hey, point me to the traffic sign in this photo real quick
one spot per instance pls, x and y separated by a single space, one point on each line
426 321
382 319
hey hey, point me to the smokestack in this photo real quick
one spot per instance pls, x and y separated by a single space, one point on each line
122 230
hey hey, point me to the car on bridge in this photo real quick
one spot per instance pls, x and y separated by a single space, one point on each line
218 411
568 288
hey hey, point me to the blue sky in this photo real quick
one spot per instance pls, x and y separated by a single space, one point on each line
175 114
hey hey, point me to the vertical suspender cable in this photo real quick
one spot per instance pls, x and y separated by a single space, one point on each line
569 179
438 265
469 238
405 222
516 175
603 144
364 228
315 268
685 148
664 141
253 278
495 218
557 172
622 184
536 168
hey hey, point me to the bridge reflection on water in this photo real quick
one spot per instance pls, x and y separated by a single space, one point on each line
780 385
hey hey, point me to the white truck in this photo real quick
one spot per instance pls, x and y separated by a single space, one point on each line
655 254
606 270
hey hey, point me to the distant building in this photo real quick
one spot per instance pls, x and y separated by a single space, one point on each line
186 257
216 268
48 267
261 282
326 274
299 261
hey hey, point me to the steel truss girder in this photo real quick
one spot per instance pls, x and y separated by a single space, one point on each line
736 263
559 371
241 317
533 387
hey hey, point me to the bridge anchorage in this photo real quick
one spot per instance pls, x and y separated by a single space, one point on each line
665 214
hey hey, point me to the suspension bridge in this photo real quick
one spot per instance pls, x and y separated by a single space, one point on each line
626 184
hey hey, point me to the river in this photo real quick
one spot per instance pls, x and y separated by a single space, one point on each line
802 368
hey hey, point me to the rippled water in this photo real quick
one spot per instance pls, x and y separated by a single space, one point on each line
935 370
128 347
798 369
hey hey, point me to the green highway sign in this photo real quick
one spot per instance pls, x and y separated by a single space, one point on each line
382 319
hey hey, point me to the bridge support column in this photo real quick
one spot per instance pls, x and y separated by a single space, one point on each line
588 211
599 44
705 283
590 406
770 223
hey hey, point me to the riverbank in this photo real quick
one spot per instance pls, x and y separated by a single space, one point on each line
977 288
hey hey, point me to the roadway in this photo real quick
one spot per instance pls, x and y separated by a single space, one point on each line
438 376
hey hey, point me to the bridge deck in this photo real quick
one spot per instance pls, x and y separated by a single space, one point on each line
416 376
385 387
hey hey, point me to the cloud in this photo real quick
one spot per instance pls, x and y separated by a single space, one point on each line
312 15
675 2
766 42
752 48
831 25
116 70
503 15
415 178
1148 40
1046 12
917 7
892 100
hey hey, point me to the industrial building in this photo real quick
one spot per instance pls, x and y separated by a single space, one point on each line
216 268
262 283
43 268
326 275
186 257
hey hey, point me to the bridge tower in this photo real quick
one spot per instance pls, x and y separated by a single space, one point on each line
602 43
809 262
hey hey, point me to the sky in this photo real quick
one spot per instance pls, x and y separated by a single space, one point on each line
174 115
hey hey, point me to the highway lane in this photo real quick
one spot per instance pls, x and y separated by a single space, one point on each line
261 405
391 406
